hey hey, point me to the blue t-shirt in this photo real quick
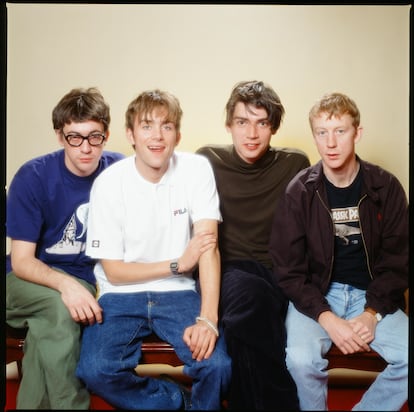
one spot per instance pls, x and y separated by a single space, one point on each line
48 205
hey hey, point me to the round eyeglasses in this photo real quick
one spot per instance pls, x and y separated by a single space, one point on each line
76 139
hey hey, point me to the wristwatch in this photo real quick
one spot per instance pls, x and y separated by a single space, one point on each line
174 267
377 315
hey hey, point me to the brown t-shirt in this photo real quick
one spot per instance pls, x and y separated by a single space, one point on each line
248 196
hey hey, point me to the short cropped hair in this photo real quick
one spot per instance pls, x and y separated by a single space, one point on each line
260 95
335 105
149 100
81 105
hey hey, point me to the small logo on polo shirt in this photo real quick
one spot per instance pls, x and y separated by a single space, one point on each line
180 211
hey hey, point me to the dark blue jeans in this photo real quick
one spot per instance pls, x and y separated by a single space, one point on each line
252 312
111 350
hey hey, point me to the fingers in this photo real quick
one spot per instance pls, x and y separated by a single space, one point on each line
187 336
200 340
364 334
87 315
208 244
97 313
355 342
359 343
199 243
206 350
203 348
205 237
363 345
366 337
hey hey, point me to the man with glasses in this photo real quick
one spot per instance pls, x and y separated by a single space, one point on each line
50 285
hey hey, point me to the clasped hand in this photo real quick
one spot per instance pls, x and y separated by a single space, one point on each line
350 336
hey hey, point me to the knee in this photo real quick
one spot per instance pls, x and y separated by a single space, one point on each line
219 365
399 360
242 299
301 359
245 316
91 371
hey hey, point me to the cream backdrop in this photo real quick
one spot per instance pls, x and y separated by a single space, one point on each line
199 52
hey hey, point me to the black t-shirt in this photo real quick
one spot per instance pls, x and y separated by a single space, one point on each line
350 263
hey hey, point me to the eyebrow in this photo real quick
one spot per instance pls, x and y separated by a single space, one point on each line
263 119
92 131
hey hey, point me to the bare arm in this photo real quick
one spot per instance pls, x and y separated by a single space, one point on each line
201 337
120 272
81 304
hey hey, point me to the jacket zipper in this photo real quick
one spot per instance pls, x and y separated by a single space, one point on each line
363 240
333 232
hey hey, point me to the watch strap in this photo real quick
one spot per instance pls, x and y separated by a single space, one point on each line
373 312
174 267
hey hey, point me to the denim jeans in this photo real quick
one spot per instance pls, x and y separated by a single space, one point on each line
307 343
111 351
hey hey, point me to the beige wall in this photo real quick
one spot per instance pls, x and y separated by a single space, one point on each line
199 52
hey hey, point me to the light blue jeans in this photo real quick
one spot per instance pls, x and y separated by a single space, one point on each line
307 343
111 351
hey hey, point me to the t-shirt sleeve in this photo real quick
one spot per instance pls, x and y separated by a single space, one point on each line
204 196
105 233
24 209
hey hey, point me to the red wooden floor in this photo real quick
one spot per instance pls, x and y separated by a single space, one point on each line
339 398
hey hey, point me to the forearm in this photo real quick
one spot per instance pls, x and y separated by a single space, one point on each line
120 272
27 267
209 275
35 271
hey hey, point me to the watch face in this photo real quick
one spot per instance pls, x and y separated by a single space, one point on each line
174 268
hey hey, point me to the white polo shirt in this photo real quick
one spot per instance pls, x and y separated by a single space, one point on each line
133 220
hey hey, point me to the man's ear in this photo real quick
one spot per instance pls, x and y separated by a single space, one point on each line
130 136
358 134
178 139
60 137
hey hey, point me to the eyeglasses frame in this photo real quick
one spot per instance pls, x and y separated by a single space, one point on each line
68 136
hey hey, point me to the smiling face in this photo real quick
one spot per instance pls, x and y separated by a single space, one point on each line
84 159
251 131
154 138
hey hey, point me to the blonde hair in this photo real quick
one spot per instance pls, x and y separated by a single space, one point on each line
336 105
149 100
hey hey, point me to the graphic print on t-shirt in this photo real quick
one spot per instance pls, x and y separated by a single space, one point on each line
341 217
68 245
